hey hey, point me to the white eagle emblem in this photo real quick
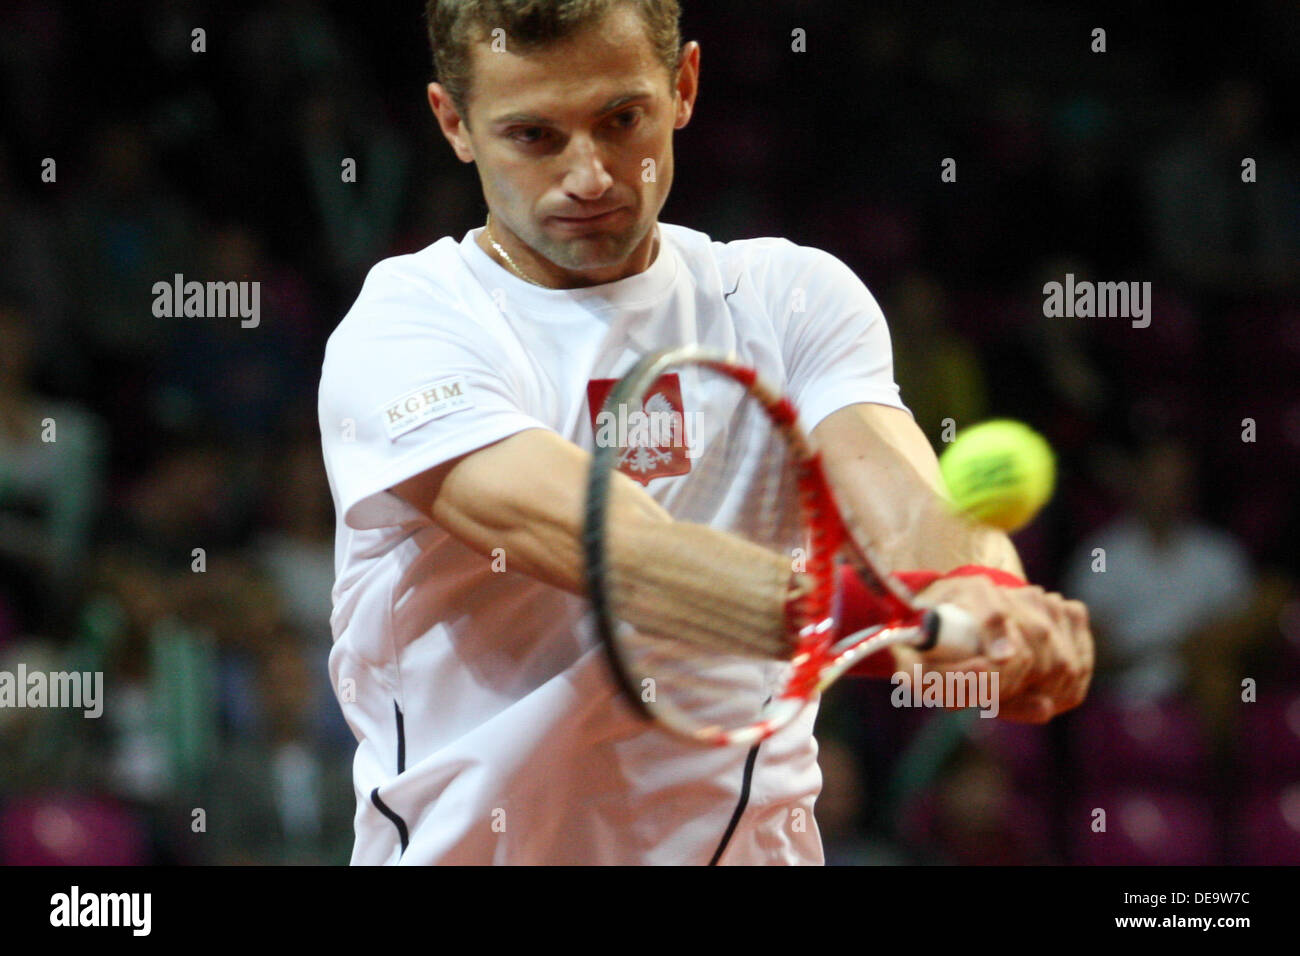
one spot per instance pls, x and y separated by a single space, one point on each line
641 455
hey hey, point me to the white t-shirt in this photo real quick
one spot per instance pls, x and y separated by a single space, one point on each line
489 727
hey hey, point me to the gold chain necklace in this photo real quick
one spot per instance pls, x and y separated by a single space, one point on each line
506 256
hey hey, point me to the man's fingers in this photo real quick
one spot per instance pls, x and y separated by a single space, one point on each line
1038 642
1072 645
970 665
1011 655
1077 612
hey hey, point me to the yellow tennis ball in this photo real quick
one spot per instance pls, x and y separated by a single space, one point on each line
1000 472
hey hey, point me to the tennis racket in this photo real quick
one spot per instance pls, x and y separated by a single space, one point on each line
751 471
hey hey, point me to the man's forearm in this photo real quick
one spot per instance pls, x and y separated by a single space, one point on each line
887 481
525 497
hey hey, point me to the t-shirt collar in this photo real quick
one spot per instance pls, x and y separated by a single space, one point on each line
636 290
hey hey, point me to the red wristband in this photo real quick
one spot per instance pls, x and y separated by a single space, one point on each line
918 581
859 608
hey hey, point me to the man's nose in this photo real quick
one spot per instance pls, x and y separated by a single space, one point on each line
587 177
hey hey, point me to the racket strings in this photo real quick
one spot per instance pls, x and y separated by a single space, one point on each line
734 603
705 607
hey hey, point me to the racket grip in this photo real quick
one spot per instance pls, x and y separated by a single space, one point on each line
952 631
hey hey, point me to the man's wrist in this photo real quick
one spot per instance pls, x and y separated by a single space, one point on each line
918 581
858 609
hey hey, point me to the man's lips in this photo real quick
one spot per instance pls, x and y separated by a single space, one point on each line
582 219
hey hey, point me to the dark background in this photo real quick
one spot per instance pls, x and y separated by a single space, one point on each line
176 434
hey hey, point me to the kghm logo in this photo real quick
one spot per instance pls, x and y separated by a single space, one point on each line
424 404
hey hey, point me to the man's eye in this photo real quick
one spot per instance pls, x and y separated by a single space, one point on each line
628 119
528 135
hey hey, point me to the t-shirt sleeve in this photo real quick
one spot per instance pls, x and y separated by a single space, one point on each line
835 339
408 382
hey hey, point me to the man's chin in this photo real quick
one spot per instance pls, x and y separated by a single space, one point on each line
588 254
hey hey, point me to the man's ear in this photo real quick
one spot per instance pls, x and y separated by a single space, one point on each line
687 83
450 122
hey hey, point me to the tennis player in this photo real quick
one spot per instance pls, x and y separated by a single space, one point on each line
457 428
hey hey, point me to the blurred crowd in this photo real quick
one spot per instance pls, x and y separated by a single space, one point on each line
165 519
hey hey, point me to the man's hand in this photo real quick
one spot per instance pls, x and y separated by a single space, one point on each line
1039 644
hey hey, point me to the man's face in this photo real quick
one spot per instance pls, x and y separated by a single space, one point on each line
577 130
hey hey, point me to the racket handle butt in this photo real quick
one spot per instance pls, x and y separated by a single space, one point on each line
952 631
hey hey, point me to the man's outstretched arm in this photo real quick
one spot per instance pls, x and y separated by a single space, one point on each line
889 488
526 495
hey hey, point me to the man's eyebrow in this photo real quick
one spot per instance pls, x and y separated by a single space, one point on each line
620 100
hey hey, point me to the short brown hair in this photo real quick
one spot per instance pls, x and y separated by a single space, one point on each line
456 25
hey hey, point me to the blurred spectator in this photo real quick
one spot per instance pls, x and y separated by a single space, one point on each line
283 48
359 215
211 697
841 810
21 727
1048 368
51 476
1095 188
28 248
1211 229
972 816
277 796
939 372
223 377
297 549
127 230
196 494
71 829
160 672
1157 578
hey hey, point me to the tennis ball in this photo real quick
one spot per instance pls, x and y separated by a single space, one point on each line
1000 472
